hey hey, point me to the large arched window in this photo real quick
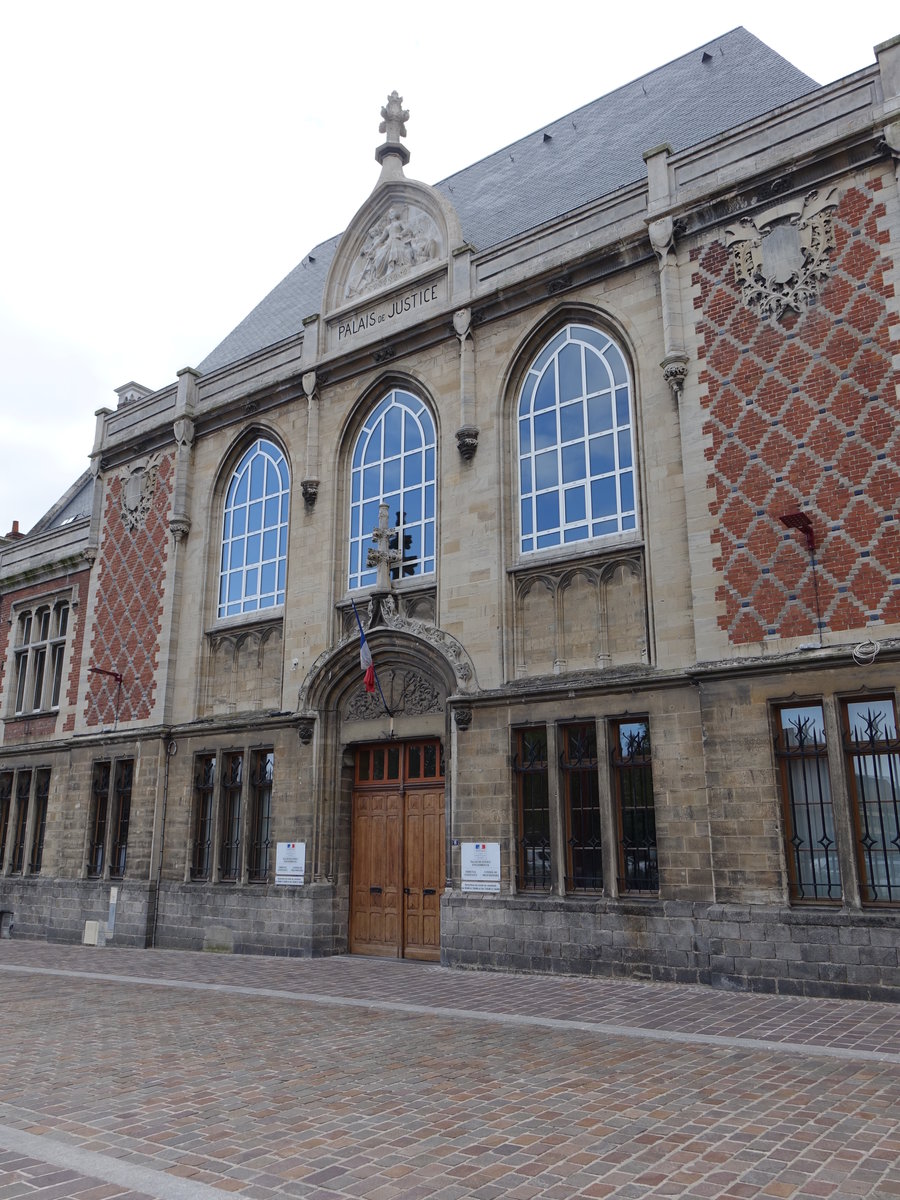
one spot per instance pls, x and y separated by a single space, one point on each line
576 446
394 463
254 532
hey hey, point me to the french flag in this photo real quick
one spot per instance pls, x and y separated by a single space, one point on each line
365 661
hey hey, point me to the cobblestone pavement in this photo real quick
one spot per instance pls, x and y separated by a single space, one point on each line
128 1074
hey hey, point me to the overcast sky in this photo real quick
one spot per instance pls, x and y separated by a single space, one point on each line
165 165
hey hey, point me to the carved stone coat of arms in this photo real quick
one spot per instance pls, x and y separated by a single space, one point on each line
782 256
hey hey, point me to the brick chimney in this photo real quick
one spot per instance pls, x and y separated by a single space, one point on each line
15 533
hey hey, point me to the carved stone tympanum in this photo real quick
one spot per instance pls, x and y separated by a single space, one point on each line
402 239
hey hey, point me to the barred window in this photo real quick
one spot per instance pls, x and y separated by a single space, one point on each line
872 751
17 848
801 752
204 797
230 817
39 819
122 816
261 775
6 793
99 816
584 860
110 817
24 797
633 784
533 848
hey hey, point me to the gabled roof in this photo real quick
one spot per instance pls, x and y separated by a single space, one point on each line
588 154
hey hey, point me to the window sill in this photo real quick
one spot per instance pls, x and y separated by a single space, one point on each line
595 550
260 618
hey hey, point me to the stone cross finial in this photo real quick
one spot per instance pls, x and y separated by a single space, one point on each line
393 116
380 555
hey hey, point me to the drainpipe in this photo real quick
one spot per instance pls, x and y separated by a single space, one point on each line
171 751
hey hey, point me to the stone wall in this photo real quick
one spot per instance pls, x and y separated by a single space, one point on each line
757 948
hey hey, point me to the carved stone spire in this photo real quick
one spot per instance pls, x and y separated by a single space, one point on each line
381 555
393 125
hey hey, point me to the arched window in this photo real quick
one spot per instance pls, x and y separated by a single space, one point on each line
254 532
394 463
576 445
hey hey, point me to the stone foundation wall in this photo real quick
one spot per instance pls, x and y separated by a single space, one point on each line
55 910
298 922
301 922
810 952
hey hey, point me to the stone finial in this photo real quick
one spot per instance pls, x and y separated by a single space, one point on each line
393 125
393 118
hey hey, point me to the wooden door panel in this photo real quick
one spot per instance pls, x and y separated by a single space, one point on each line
424 873
376 888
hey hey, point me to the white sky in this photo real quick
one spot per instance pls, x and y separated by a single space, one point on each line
164 165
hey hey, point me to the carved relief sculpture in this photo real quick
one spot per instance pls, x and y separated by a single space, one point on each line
782 256
138 490
402 239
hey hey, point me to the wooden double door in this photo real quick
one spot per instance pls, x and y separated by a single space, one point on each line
397 862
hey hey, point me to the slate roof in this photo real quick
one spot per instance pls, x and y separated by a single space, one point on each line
590 153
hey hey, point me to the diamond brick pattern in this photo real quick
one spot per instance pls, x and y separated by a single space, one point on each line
129 606
802 414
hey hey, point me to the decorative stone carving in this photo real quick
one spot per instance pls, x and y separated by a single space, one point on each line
467 441
184 433
180 527
675 369
401 240
310 490
138 490
305 729
781 257
385 354
381 555
448 645
463 718
559 284
393 118
408 694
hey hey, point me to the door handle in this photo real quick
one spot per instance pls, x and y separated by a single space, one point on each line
407 891
375 890
429 891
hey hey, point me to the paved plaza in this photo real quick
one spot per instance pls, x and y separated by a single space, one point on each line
133 1074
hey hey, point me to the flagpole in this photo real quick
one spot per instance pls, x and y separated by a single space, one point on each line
362 634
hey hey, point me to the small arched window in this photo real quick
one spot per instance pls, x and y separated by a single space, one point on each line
576 443
394 464
254 532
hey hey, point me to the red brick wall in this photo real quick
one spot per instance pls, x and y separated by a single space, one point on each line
802 414
22 729
129 604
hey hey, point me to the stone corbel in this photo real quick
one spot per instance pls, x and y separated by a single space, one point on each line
306 727
462 718
180 527
467 434
309 485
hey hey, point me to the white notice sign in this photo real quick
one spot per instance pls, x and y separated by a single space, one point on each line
290 863
480 866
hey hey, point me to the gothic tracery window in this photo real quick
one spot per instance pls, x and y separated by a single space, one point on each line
394 463
576 442
254 532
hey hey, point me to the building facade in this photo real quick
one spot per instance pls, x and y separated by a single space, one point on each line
596 443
